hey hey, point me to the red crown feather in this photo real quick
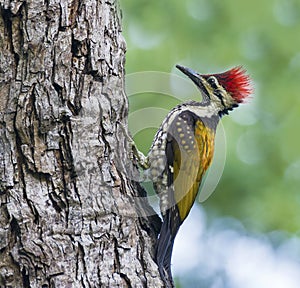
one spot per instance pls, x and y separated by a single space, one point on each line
236 82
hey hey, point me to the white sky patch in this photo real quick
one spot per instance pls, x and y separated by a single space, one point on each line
230 255
253 263
188 253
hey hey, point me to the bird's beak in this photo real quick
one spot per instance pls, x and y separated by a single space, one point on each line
193 75
196 78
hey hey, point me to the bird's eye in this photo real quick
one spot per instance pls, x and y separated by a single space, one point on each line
213 82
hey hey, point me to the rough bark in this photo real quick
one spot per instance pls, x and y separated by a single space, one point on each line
68 215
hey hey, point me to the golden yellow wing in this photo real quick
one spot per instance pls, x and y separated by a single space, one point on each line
192 146
189 151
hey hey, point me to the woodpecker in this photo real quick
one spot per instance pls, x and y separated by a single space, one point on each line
183 148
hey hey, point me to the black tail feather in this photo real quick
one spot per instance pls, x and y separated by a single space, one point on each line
165 242
164 245
167 260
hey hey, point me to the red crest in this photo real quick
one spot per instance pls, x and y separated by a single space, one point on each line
236 82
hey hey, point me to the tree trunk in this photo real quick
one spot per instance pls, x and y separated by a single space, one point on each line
68 215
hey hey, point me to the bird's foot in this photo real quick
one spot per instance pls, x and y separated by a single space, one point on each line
134 151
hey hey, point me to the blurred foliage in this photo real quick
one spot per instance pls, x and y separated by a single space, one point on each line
261 180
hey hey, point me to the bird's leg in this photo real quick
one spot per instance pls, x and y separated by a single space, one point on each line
141 158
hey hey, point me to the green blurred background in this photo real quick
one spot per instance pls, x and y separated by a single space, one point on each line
261 180
258 197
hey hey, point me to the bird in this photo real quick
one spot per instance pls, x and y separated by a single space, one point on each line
183 148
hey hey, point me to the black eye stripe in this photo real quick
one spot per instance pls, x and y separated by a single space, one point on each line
220 96
218 93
